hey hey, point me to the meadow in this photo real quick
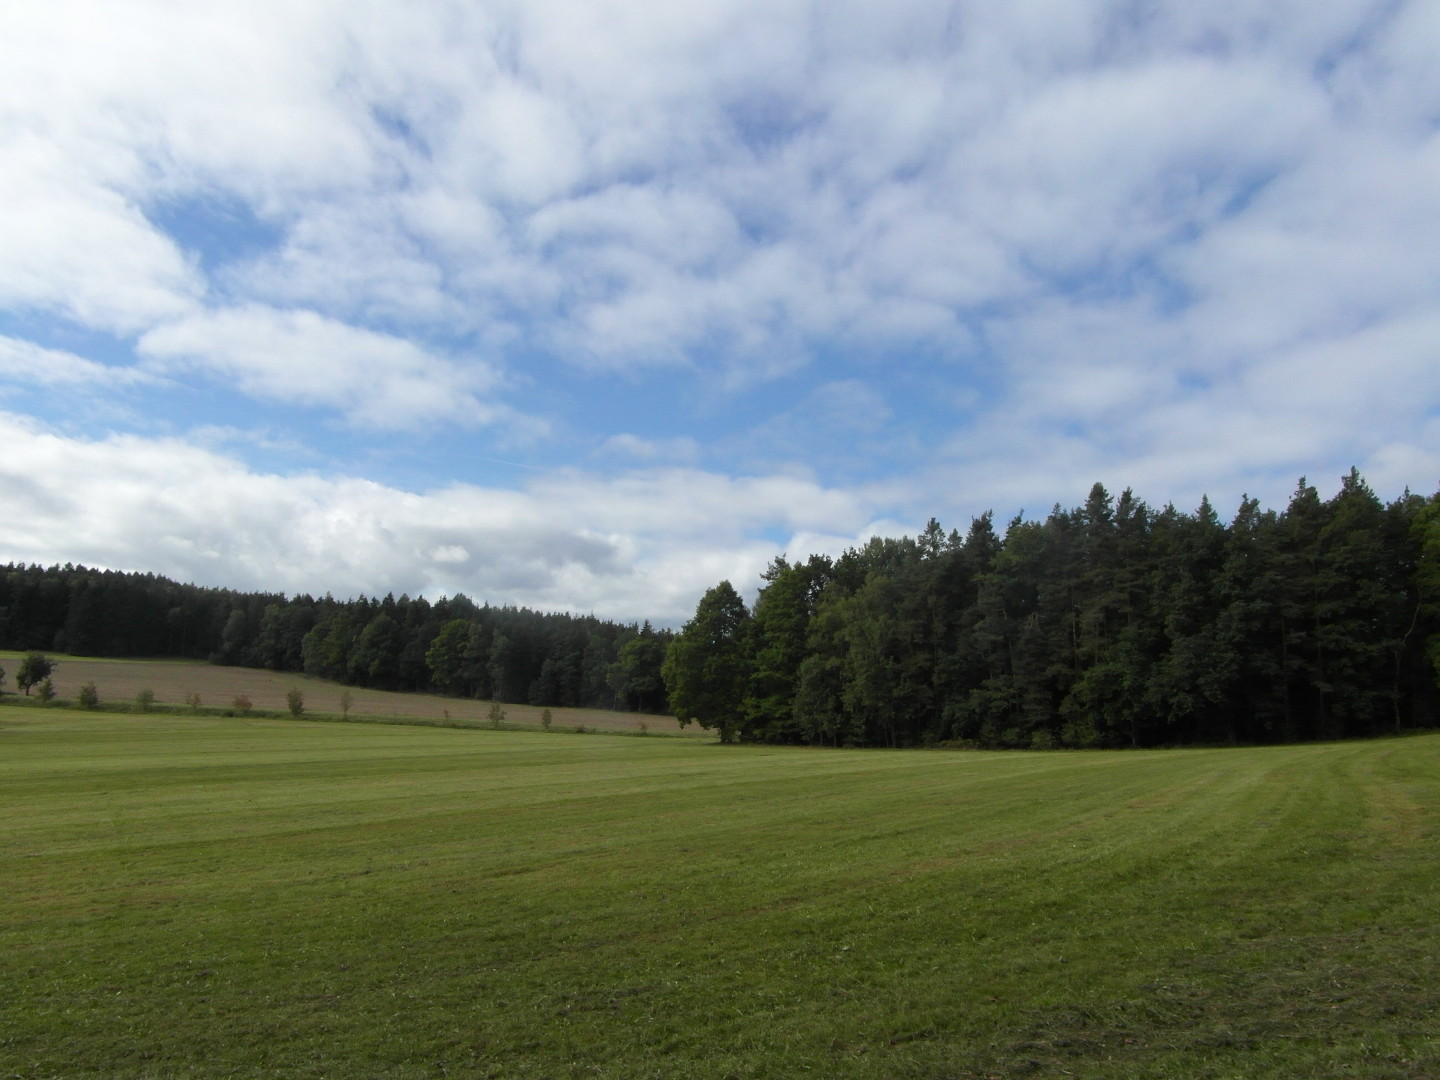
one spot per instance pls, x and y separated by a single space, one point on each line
209 896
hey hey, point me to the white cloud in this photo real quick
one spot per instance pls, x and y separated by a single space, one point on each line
247 92
679 451
1100 394
26 362
1185 247
349 258
299 357
724 184
77 248
645 545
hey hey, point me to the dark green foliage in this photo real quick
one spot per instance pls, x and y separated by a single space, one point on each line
111 613
779 631
279 642
1110 625
375 659
1424 533
446 657
295 701
34 669
635 676
325 650
504 668
89 697
453 644
232 639
707 668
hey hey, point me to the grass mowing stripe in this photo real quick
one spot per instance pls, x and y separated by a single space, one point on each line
204 897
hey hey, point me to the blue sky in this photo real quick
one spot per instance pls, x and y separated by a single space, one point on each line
588 305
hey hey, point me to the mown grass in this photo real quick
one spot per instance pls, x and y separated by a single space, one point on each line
215 897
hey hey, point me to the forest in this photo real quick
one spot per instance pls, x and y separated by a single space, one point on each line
1109 625
452 645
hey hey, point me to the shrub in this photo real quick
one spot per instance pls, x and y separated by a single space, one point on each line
144 699
89 697
1081 732
46 692
193 700
295 701
960 744
496 714
35 668
546 719
346 700
242 704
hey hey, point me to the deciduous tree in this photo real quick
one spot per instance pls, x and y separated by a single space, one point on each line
34 669
706 669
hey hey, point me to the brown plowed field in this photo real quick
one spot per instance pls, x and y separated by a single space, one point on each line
173 681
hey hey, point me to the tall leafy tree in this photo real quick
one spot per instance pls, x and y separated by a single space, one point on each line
1195 665
326 648
707 669
1421 519
636 675
503 668
446 657
34 670
375 658
1361 606
779 627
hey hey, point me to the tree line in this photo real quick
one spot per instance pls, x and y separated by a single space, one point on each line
1110 624
451 645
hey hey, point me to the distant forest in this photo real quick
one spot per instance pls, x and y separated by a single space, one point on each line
453 645
1109 625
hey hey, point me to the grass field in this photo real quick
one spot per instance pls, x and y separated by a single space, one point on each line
173 681
213 897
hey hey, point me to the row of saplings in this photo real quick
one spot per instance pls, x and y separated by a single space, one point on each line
37 668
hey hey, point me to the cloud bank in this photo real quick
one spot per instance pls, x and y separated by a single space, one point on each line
636 546
885 263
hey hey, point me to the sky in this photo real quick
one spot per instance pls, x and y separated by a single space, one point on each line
588 304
